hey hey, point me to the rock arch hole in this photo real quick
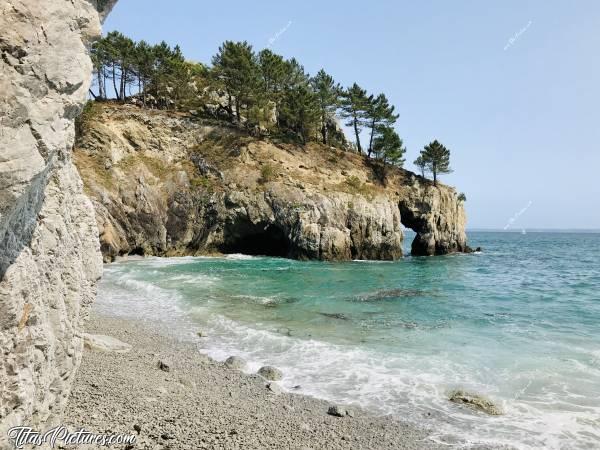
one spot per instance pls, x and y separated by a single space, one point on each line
411 221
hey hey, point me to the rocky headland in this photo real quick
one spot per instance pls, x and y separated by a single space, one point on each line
167 184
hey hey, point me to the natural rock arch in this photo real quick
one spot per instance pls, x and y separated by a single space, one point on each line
437 216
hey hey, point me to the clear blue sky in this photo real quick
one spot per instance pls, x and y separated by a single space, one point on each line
522 122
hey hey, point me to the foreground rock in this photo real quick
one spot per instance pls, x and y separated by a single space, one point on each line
49 254
475 401
235 363
339 411
270 373
103 343
168 184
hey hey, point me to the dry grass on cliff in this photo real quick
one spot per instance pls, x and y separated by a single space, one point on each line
242 159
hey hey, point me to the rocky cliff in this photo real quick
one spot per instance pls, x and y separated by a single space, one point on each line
171 184
49 253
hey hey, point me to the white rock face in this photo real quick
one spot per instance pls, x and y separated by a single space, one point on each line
49 252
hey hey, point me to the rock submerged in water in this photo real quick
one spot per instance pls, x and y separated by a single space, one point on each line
235 363
338 316
270 373
475 401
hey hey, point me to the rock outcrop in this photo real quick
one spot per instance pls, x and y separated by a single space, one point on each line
169 184
49 253
438 217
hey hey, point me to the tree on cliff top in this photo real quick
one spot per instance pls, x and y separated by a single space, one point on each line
421 164
354 107
236 66
379 112
436 158
328 95
388 148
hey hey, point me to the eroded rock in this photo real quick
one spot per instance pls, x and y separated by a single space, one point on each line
475 401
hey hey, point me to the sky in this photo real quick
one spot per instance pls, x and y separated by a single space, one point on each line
512 88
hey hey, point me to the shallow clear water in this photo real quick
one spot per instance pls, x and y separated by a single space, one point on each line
518 323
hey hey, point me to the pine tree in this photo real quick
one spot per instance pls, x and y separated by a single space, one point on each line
328 94
436 158
236 66
421 164
300 110
388 148
354 107
144 66
380 112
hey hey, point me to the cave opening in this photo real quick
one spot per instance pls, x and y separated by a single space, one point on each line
257 239
410 221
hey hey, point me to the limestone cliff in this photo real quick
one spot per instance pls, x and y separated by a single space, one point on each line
170 184
49 253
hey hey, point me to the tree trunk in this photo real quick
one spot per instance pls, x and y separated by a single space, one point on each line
357 135
101 90
122 87
114 80
371 140
104 80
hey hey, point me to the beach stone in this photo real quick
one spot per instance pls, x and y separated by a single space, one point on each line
270 373
164 365
235 363
105 343
337 411
475 401
274 388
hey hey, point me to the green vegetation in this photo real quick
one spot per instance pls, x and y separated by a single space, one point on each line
262 93
421 164
267 173
435 158
462 197
388 148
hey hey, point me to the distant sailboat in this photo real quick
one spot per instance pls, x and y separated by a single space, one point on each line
523 231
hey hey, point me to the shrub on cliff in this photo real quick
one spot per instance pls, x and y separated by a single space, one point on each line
267 173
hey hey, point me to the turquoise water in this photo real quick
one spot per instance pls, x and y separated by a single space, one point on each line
518 323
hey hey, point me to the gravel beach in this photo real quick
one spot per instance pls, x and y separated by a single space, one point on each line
171 396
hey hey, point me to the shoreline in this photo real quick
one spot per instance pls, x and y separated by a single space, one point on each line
200 403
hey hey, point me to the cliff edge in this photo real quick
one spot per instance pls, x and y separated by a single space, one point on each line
169 184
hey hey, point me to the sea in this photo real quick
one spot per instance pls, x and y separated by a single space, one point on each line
517 323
